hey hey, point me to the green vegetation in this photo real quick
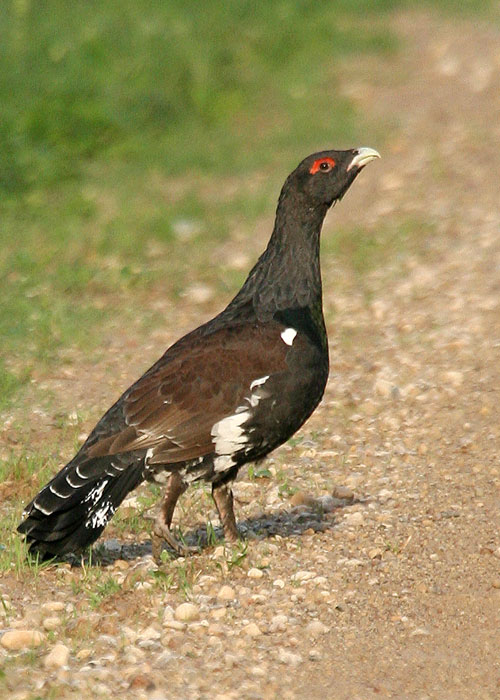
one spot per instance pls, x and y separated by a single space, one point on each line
122 124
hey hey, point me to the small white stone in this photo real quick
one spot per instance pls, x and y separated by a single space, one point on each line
255 573
149 633
279 583
57 657
315 655
53 606
219 552
226 593
279 623
354 518
252 629
174 625
51 623
316 627
289 658
383 388
453 377
303 576
187 612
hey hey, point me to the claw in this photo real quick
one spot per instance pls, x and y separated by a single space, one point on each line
161 534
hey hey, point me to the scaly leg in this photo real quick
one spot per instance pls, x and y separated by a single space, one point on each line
161 528
223 497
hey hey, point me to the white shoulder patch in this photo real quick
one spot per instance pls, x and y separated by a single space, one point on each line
288 335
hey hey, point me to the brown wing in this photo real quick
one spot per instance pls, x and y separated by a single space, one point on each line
172 409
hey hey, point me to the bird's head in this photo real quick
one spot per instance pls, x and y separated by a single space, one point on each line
326 176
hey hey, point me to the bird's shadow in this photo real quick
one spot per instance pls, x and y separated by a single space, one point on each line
283 523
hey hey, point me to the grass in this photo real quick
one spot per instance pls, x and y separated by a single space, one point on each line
136 138
116 118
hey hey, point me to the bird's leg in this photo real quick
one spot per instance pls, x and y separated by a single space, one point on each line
161 528
223 497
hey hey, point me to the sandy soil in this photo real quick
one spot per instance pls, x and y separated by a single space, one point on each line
381 576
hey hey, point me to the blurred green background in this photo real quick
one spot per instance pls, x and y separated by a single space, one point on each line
130 132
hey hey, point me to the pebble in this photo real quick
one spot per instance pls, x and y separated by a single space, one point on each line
385 495
279 623
112 547
219 552
343 493
383 387
218 613
175 625
289 658
279 583
302 499
51 623
187 612
356 518
303 576
57 657
84 654
316 627
14 640
252 629
226 593
326 503
53 606
453 377
255 573
150 633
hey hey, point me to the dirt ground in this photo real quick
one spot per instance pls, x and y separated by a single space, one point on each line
381 576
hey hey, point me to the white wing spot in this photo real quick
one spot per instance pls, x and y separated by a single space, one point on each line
259 382
288 335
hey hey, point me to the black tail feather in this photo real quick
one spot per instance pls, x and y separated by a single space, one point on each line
72 510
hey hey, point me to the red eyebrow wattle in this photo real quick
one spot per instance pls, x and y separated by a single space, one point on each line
317 164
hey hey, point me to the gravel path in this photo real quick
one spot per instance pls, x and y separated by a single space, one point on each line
380 575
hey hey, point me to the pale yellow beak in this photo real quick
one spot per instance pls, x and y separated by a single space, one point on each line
362 157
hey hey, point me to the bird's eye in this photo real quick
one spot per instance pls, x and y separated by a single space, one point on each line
323 164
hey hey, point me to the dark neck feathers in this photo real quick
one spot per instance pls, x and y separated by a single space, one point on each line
287 275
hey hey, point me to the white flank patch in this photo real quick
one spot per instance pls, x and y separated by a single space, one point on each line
259 382
228 434
96 493
98 519
288 335
223 463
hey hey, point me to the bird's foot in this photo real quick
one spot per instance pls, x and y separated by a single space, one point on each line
161 534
